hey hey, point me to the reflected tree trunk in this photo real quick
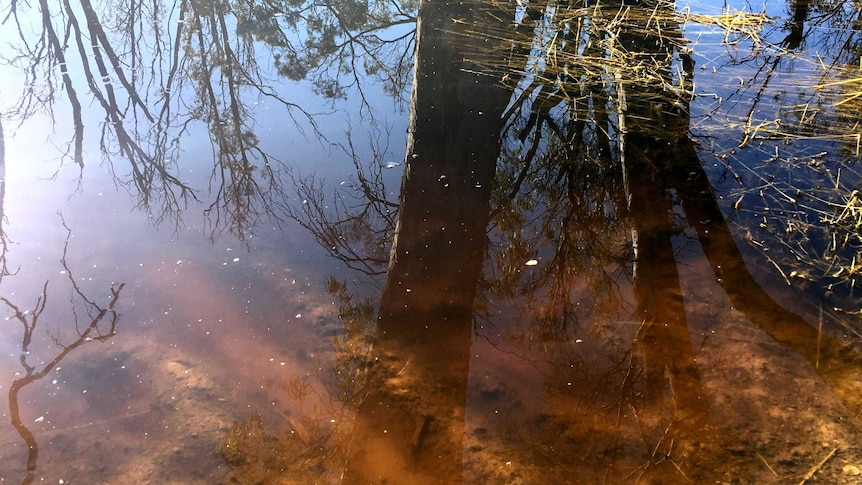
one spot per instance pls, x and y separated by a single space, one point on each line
452 150
410 423
656 116
663 350
823 352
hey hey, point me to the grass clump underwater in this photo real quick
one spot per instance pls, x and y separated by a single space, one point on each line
257 455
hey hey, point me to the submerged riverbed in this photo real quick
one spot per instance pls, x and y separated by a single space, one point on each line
291 242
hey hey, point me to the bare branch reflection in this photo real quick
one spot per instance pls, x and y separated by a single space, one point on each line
356 223
4 238
100 327
152 75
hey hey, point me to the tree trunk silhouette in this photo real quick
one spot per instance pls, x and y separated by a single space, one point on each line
452 150
410 422
657 120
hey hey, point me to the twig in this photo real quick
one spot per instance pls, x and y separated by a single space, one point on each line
810 474
786 279
819 337
766 463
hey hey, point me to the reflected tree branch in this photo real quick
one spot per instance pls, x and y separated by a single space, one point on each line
102 326
356 224
4 238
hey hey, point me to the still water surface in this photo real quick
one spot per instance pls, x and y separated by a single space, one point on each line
620 246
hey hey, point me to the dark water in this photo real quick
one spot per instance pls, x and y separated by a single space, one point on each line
620 246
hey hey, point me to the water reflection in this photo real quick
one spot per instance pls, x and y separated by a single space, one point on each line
101 327
593 149
564 300
214 63
4 240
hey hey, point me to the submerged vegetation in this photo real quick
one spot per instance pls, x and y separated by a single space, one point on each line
311 449
258 455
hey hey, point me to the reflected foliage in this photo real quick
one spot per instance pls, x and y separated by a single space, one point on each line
93 63
334 44
793 143
152 74
578 194
585 89
4 238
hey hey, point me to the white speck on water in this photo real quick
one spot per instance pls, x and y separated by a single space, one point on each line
298 315
531 262
236 260
39 419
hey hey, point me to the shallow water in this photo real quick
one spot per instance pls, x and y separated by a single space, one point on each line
612 263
